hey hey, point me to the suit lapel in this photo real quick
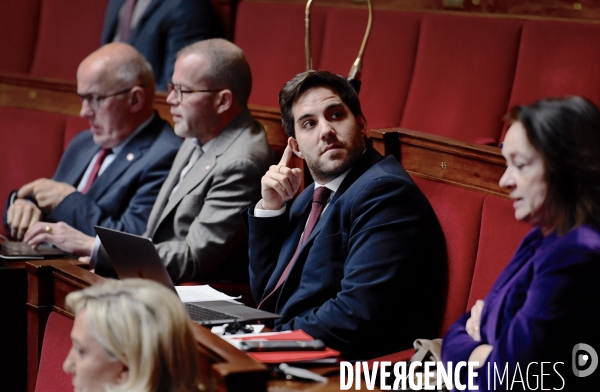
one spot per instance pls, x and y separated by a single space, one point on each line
151 7
204 165
194 177
111 19
81 162
130 154
298 217
369 158
182 158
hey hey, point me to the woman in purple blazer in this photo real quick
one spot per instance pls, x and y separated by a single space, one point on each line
539 326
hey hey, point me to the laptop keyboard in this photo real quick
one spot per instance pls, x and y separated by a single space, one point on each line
200 314
18 248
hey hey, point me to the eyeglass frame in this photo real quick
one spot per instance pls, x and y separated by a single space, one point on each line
179 92
94 100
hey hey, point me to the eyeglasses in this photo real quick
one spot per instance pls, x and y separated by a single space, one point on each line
94 100
179 92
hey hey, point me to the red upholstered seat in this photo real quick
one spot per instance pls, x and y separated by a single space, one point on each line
272 37
462 77
459 213
557 59
499 238
387 63
18 29
69 30
55 348
42 132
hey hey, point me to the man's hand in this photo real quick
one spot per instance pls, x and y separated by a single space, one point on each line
62 236
21 215
474 322
280 183
47 193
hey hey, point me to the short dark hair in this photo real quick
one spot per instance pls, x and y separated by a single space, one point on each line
566 133
311 79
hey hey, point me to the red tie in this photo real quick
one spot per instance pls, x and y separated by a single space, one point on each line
320 197
125 20
103 153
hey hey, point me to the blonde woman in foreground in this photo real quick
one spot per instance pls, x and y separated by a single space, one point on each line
131 335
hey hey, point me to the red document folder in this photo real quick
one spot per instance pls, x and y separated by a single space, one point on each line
290 356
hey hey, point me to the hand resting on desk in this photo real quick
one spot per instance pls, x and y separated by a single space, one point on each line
20 216
62 236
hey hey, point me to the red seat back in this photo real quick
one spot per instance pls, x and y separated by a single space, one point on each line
55 348
272 37
73 126
463 76
557 59
499 238
69 30
42 133
18 29
459 213
387 62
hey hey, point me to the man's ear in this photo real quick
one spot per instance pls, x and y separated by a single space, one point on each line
362 124
294 146
223 101
137 98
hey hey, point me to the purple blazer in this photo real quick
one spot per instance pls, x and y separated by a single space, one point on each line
544 302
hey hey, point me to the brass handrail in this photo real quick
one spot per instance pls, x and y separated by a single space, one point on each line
356 68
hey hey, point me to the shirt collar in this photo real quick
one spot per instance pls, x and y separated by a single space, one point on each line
117 149
204 146
334 184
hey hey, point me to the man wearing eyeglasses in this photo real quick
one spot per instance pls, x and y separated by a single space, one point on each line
196 222
109 175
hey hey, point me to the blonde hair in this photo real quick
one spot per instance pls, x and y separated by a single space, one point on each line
145 326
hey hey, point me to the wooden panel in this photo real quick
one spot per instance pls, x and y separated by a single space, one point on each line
585 10
443 159
60 97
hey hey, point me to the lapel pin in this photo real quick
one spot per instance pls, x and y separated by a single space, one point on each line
130 157
207 167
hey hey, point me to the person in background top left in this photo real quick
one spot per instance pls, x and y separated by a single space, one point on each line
110 174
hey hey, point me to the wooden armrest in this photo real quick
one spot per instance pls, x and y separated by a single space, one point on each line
443 159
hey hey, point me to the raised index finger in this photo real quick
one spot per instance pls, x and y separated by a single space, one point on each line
286 158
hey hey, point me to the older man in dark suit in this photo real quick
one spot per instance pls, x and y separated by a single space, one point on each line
351 253
110 174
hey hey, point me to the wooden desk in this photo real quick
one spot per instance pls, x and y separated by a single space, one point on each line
223 367
13 327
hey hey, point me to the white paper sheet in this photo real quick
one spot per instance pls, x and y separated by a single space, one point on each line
202 293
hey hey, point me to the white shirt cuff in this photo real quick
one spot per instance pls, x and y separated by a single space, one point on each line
260 213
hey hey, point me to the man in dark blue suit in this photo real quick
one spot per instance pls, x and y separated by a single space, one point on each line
377 252
109 175
159 28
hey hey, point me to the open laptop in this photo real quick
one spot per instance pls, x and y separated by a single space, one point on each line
11 250
134 256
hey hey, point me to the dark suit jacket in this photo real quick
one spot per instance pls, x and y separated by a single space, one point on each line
544 302
165 27
362 267
123 196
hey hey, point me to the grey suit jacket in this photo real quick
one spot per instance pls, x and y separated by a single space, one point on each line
199 232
